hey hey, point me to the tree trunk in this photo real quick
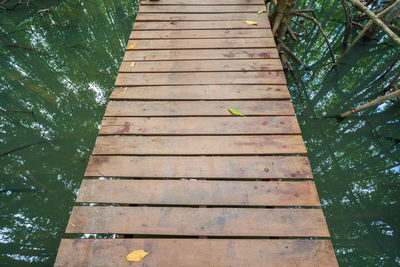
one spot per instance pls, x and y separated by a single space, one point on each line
389 18
280 19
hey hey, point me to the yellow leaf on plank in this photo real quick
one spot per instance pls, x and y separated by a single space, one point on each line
131 47
235 112
260 11
133 64
250 22
136 255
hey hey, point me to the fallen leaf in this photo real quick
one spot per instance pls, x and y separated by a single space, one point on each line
131 47
136 255
260 11
235 112
250 22
133 64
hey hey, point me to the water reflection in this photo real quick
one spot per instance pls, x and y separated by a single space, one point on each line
58 69
356 160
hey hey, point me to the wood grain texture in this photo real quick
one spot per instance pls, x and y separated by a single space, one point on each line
200 34
200 78
202 92
232 167
203 2
198 108
198 221
160 44
199 145
198 252
201 66
195 192
196 25
200 54
201 9
199 125
200 17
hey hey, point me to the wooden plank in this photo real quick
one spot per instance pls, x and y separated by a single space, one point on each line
201 9
200 54
198 92
168 44
200 34
189 192
198 252
198 108
199 145
196 25
232 167
198 221
200 17
200 78
203 2
199 125
203 65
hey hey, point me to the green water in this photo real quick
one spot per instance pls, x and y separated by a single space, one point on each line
58 69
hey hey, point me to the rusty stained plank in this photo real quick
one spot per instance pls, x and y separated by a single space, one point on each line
195 192
199 125
200 34
201 9
201 78
202 92
200 54
200 17
198 221
232 167
198 108
199 145
166 44
201 66
198 252
198 25
203 2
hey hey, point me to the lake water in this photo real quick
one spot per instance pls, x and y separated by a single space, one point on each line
58 69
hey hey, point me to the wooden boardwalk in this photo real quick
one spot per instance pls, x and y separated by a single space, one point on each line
187 180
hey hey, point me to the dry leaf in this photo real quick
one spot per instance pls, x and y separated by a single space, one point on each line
250 22
136 255
235 112
133 64
131 47
260 11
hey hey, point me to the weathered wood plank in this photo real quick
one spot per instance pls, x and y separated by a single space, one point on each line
200 34
203 2
200 78
168 44
189 192
196 25
199 125
203 65
198 252
198 108
201 9
199 145
201 92
198 221
200 54
200 17
232 167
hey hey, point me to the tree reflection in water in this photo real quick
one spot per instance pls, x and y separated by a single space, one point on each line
58 69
